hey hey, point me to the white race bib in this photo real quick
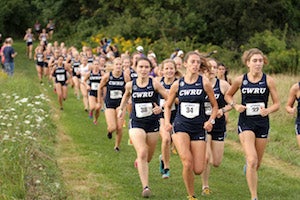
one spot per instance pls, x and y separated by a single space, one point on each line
40 59
143 109
116 94
162 103
76 69
208 108
190 110
254 108
60 77
94 86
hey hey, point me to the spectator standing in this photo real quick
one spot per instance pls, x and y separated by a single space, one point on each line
9 55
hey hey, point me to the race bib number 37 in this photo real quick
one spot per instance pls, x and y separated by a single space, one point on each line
254 108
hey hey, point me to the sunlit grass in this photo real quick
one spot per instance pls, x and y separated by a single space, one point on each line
40 146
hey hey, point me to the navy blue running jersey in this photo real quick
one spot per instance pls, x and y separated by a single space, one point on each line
190 112
94 80
142 102
254 96
115 90
220 124
60 74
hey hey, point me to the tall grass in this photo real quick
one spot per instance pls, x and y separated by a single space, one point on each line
50 145
27 137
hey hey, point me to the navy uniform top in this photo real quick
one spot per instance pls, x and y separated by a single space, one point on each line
48 56
298 109
115 88
40 58
133 74
190 112
220 125
75 66
94 80
142 102
90 59
254 96
60 74
162 100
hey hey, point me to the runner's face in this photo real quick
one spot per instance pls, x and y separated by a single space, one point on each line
256 63
169 70
193 63
143 68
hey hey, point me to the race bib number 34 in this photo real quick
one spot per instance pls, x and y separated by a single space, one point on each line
190 110
254 108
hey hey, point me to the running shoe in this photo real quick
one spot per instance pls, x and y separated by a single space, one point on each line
206 191
161 165
166 174
245 169
95 122
146 192
117 149
191 198
91 114
109 135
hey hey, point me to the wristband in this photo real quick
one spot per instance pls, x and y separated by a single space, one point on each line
232 104
223 110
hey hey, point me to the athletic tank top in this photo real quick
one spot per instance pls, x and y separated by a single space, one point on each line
254 96
40 57
115 88
167 87
142 102
220 124
75 66
90 59
94 80
133 74
60 74
190 110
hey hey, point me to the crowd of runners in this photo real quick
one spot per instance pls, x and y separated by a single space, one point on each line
184 100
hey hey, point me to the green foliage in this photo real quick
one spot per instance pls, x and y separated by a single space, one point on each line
267 42
282 60
27 136
286 61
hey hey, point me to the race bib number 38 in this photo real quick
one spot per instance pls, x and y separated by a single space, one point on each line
190 110
60 77
143 109
254 108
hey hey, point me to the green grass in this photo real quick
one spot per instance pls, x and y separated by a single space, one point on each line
73 159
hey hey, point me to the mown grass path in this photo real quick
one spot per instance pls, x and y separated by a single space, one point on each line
92 170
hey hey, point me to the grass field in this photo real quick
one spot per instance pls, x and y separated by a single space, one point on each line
46 153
